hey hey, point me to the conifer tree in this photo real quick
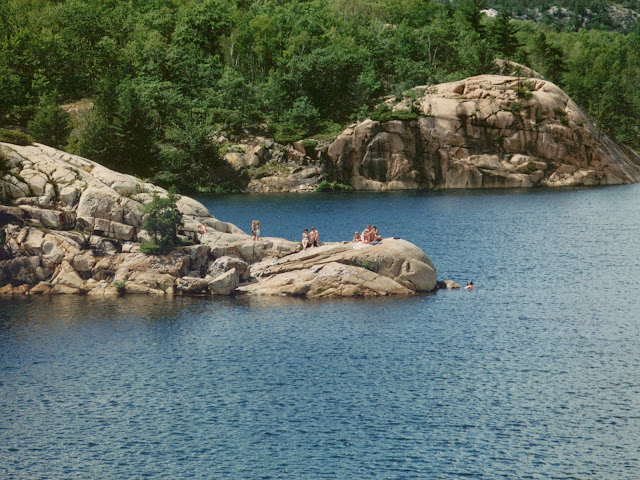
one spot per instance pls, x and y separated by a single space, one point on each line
503 34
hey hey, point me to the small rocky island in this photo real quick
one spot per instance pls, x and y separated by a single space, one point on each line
71 226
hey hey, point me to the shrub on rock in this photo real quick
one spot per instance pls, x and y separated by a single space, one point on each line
15 136
162 222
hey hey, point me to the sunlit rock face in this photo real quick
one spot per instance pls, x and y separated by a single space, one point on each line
487 131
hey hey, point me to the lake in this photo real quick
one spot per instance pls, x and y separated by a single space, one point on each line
535 374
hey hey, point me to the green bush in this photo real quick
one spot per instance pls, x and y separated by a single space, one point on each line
383 114
367 266
51 125
4 164
523 92
326 186
120 285
150 248
162 221
516 107
15 136
558 111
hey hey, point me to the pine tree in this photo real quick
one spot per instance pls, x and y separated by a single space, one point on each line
50 125
503 34
471 11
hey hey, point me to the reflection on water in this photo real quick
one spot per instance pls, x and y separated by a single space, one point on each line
536 374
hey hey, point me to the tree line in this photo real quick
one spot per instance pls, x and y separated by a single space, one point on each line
167 76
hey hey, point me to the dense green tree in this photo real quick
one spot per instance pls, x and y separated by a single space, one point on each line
297 122
234 101
162 221
98 138
51 125
503 33
191 161
133 123
471 13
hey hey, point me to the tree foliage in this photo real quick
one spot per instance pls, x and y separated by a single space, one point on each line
162 221
50 125
167 75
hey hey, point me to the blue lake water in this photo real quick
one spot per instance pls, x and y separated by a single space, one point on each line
535 374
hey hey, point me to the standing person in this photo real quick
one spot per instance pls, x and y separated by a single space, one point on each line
255 229
315 237
305 239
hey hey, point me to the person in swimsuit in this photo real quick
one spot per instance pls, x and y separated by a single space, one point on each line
469 286
255 229
305 239
366 235
375 235
356 238
315 237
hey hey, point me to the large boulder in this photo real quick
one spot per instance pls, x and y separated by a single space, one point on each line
328 280
224 264
393 266
224 284
487 131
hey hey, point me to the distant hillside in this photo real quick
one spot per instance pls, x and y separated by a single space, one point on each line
619 16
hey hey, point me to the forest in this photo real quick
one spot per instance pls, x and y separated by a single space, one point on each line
166 77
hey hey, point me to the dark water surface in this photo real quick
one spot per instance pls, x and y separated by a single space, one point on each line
536 374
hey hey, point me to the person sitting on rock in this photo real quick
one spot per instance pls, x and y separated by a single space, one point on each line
375 235
314 237
469 286
305 239
366 235
356 238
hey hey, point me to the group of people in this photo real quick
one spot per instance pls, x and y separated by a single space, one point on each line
310 239
369 235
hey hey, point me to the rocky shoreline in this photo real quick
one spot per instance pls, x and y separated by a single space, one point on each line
71 226
489 131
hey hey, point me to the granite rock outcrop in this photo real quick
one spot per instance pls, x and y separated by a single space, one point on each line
347 269
275 168
71 226
488 131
